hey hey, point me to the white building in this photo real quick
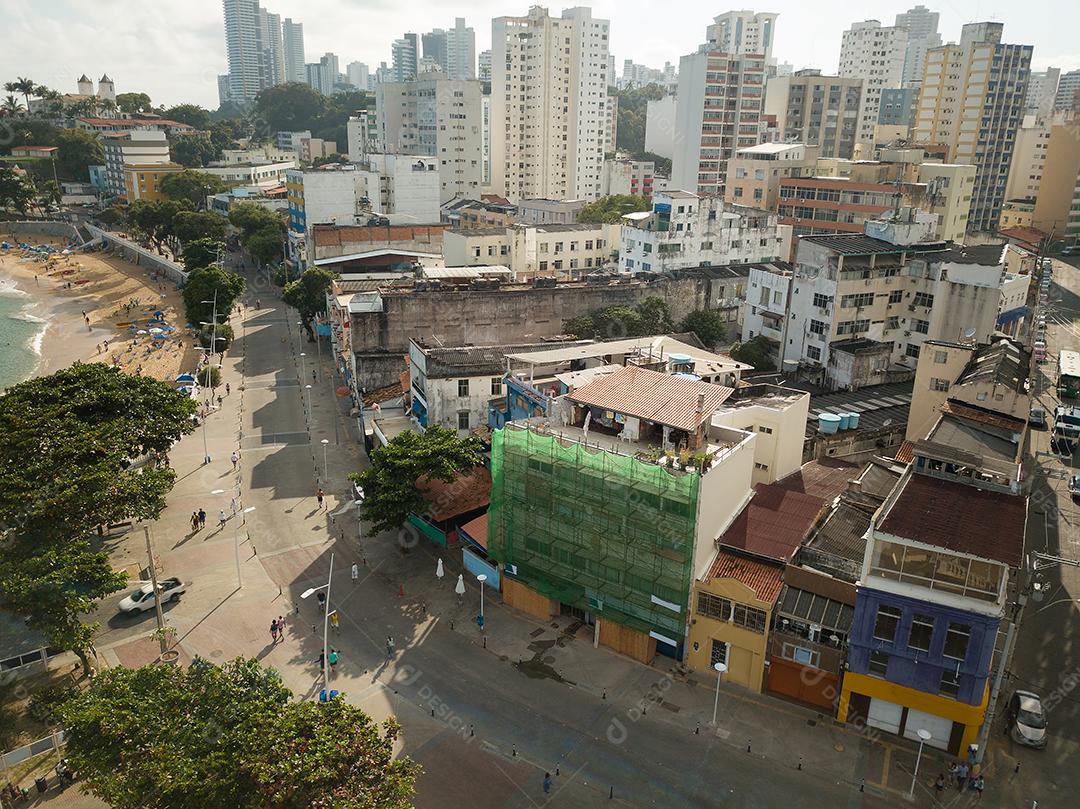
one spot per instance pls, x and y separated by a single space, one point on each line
252 173
437 117
625 176
273 50
140 147
738 32
292 45
405 188
549 104
875 55
362 132
921 25
460 51
660 126
563 251
405 57
485 139
356 74
687 230
484 66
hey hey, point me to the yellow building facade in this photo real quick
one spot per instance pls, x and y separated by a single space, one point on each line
144 182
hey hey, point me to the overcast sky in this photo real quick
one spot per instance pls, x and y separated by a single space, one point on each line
174 51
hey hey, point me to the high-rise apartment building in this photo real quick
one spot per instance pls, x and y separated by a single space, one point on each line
816 110
739 32
1068 91
875 55
718 108
460 51
434 47
484 66
921 26
244 45
1042 90
438 117
405 57
323 75
972 101
356 74
273 52
548 104
292 43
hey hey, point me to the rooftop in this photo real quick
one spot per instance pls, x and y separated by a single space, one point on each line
770 148
477 529
826 478
774 523
998 421
448 500
878 406
763 395
655 397
134 122
966 436
960 518
860 345
473 360
984 254
666 344
764 579
1002 363
843 534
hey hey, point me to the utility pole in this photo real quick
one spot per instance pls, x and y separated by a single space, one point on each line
157 600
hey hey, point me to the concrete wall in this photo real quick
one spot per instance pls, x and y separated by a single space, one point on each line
19 230
136 254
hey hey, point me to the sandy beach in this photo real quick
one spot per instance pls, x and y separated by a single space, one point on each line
90 299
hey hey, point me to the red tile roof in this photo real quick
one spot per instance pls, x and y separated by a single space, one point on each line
959 518
656 397
765 580
906 453
134 122
774 523
448 500
1030 236
477 528
825 478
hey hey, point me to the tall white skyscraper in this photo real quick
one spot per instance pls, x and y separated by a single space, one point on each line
405 57
244 47
356 74
548 104
875 55
921 25
292 43
460 51
484 66
273 50
739 32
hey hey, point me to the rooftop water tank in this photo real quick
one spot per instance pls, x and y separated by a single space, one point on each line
854 421
828 423
845 420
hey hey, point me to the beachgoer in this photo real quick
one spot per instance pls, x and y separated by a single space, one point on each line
228 390
274 630
235 459
389 647
334 624
202 518
319 497
194 521
333 659
221 518
281 626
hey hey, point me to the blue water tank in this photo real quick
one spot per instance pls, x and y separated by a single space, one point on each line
828 423
845 420
854 421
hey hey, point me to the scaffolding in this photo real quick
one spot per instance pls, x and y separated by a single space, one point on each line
596 530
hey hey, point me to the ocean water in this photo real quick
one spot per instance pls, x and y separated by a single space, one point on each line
21 333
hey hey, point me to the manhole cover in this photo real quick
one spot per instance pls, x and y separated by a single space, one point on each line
536 633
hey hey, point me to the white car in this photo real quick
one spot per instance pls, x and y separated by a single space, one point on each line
142 598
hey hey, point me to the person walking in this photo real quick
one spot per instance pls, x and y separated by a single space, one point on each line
228 389
319 497
321 596
314 376
202 518
281 626
389 647
978 784
235 459
961 776
221 518
547 783
274 629
334 625
939 785
194 521
333 659
355 571
322 661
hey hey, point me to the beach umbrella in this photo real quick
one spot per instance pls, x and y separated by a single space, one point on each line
158 313
459 588
186 378
156 330
141 331
160 337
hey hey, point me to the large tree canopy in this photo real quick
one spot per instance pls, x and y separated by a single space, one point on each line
201 253
187 226
154 218
76 150
611 209
194 150
651 316
16 191
390 484
708 325
161 738
191 186
199 293
307 294
190 114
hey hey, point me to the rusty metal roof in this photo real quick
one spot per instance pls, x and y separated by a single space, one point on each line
653 396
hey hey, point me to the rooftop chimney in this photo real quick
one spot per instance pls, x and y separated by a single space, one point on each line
701 403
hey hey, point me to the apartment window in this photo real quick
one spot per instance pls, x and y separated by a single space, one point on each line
818 327
853 327
543 266
713 607
588 244
718 652
463 387
950 684
764 299
761 467
543 247
776 296
821 302
939 385
941 357
879 664
496 385
896 296
920 326
922 631
886 622
892 323
738 191
749 617
813 352
912 350
856 301
923 299
956 641
763 429
463 419
476 252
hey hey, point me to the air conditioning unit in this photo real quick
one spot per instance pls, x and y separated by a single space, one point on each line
907 334
911 307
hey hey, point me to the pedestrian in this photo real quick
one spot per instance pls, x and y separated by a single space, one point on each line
274 630
322 600
258 304
281 626
389 647
234 506
978 784
334 622
355 571
939 785
961 776
333 659
221 518
235 459
202 518
322 661
319 497
547 783
314 376
219 400
228 390
194 521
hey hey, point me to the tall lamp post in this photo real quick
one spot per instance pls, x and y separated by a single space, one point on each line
325 442
307 389
720 669
303 367
481 578
236 535
924 737
326 621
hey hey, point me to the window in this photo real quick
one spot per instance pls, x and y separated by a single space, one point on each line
888 619
776 296
923 299
920 326
496 385
718 652
749 618
856 301
818 327
896 296
922 631
950 684
879 664
939 385
853 327
807 657
956 641
763 429
463 419
821 302
463 387
912 350
813 352
543 247
892 323
713 607
941 357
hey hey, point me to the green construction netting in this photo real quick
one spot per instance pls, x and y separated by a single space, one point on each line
593 529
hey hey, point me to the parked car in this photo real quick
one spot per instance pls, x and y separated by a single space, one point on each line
1074 486
1037 418
1071 250
1027 719
142 598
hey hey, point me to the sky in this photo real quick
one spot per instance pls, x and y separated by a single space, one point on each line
175 51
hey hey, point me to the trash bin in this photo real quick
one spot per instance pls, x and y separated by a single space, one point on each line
42 784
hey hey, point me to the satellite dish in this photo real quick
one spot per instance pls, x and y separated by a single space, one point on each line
969 333
886 423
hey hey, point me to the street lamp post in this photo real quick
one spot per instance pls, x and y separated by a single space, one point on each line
325 442
303 367
924 737
326 621
307 388
720 669
481 578
205 448
213 330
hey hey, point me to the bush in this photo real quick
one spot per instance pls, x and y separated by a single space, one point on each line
210 376
207 334
44 701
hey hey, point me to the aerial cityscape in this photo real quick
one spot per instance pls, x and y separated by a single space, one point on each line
581 406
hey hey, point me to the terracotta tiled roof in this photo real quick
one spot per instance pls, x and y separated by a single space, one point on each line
906 453
132 123
960 518
764 579
477 528
656 397
1030 236
448 500
774 523
997 420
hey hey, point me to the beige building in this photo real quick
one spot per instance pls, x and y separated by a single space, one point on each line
874 54
816 110
777 415
563 251
627 177
754 173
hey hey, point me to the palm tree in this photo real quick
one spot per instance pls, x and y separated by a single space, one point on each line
108 105
11 106
26 87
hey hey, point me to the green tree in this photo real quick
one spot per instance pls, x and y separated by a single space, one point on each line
290 107
193 150
649 317
187 226
662 165
390 484
16 192
11 107
201 253
250 217
133 102
223 136
708 325
76 151
22 85
154 218
160 737
655 316
612 208
265 245
66 445
190 114
202 283
192 186
112 216
633 103
29 132
307 294
755 352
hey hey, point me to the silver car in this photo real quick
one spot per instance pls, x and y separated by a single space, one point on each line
1027 719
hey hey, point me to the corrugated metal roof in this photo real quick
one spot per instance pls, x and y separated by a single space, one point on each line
764 579
659 398
774 523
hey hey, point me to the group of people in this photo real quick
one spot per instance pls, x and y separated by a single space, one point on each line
277 628
198 518
963 774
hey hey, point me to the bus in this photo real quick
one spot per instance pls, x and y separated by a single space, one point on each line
1068 384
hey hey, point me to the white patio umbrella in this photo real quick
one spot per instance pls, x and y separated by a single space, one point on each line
459 588
439 571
